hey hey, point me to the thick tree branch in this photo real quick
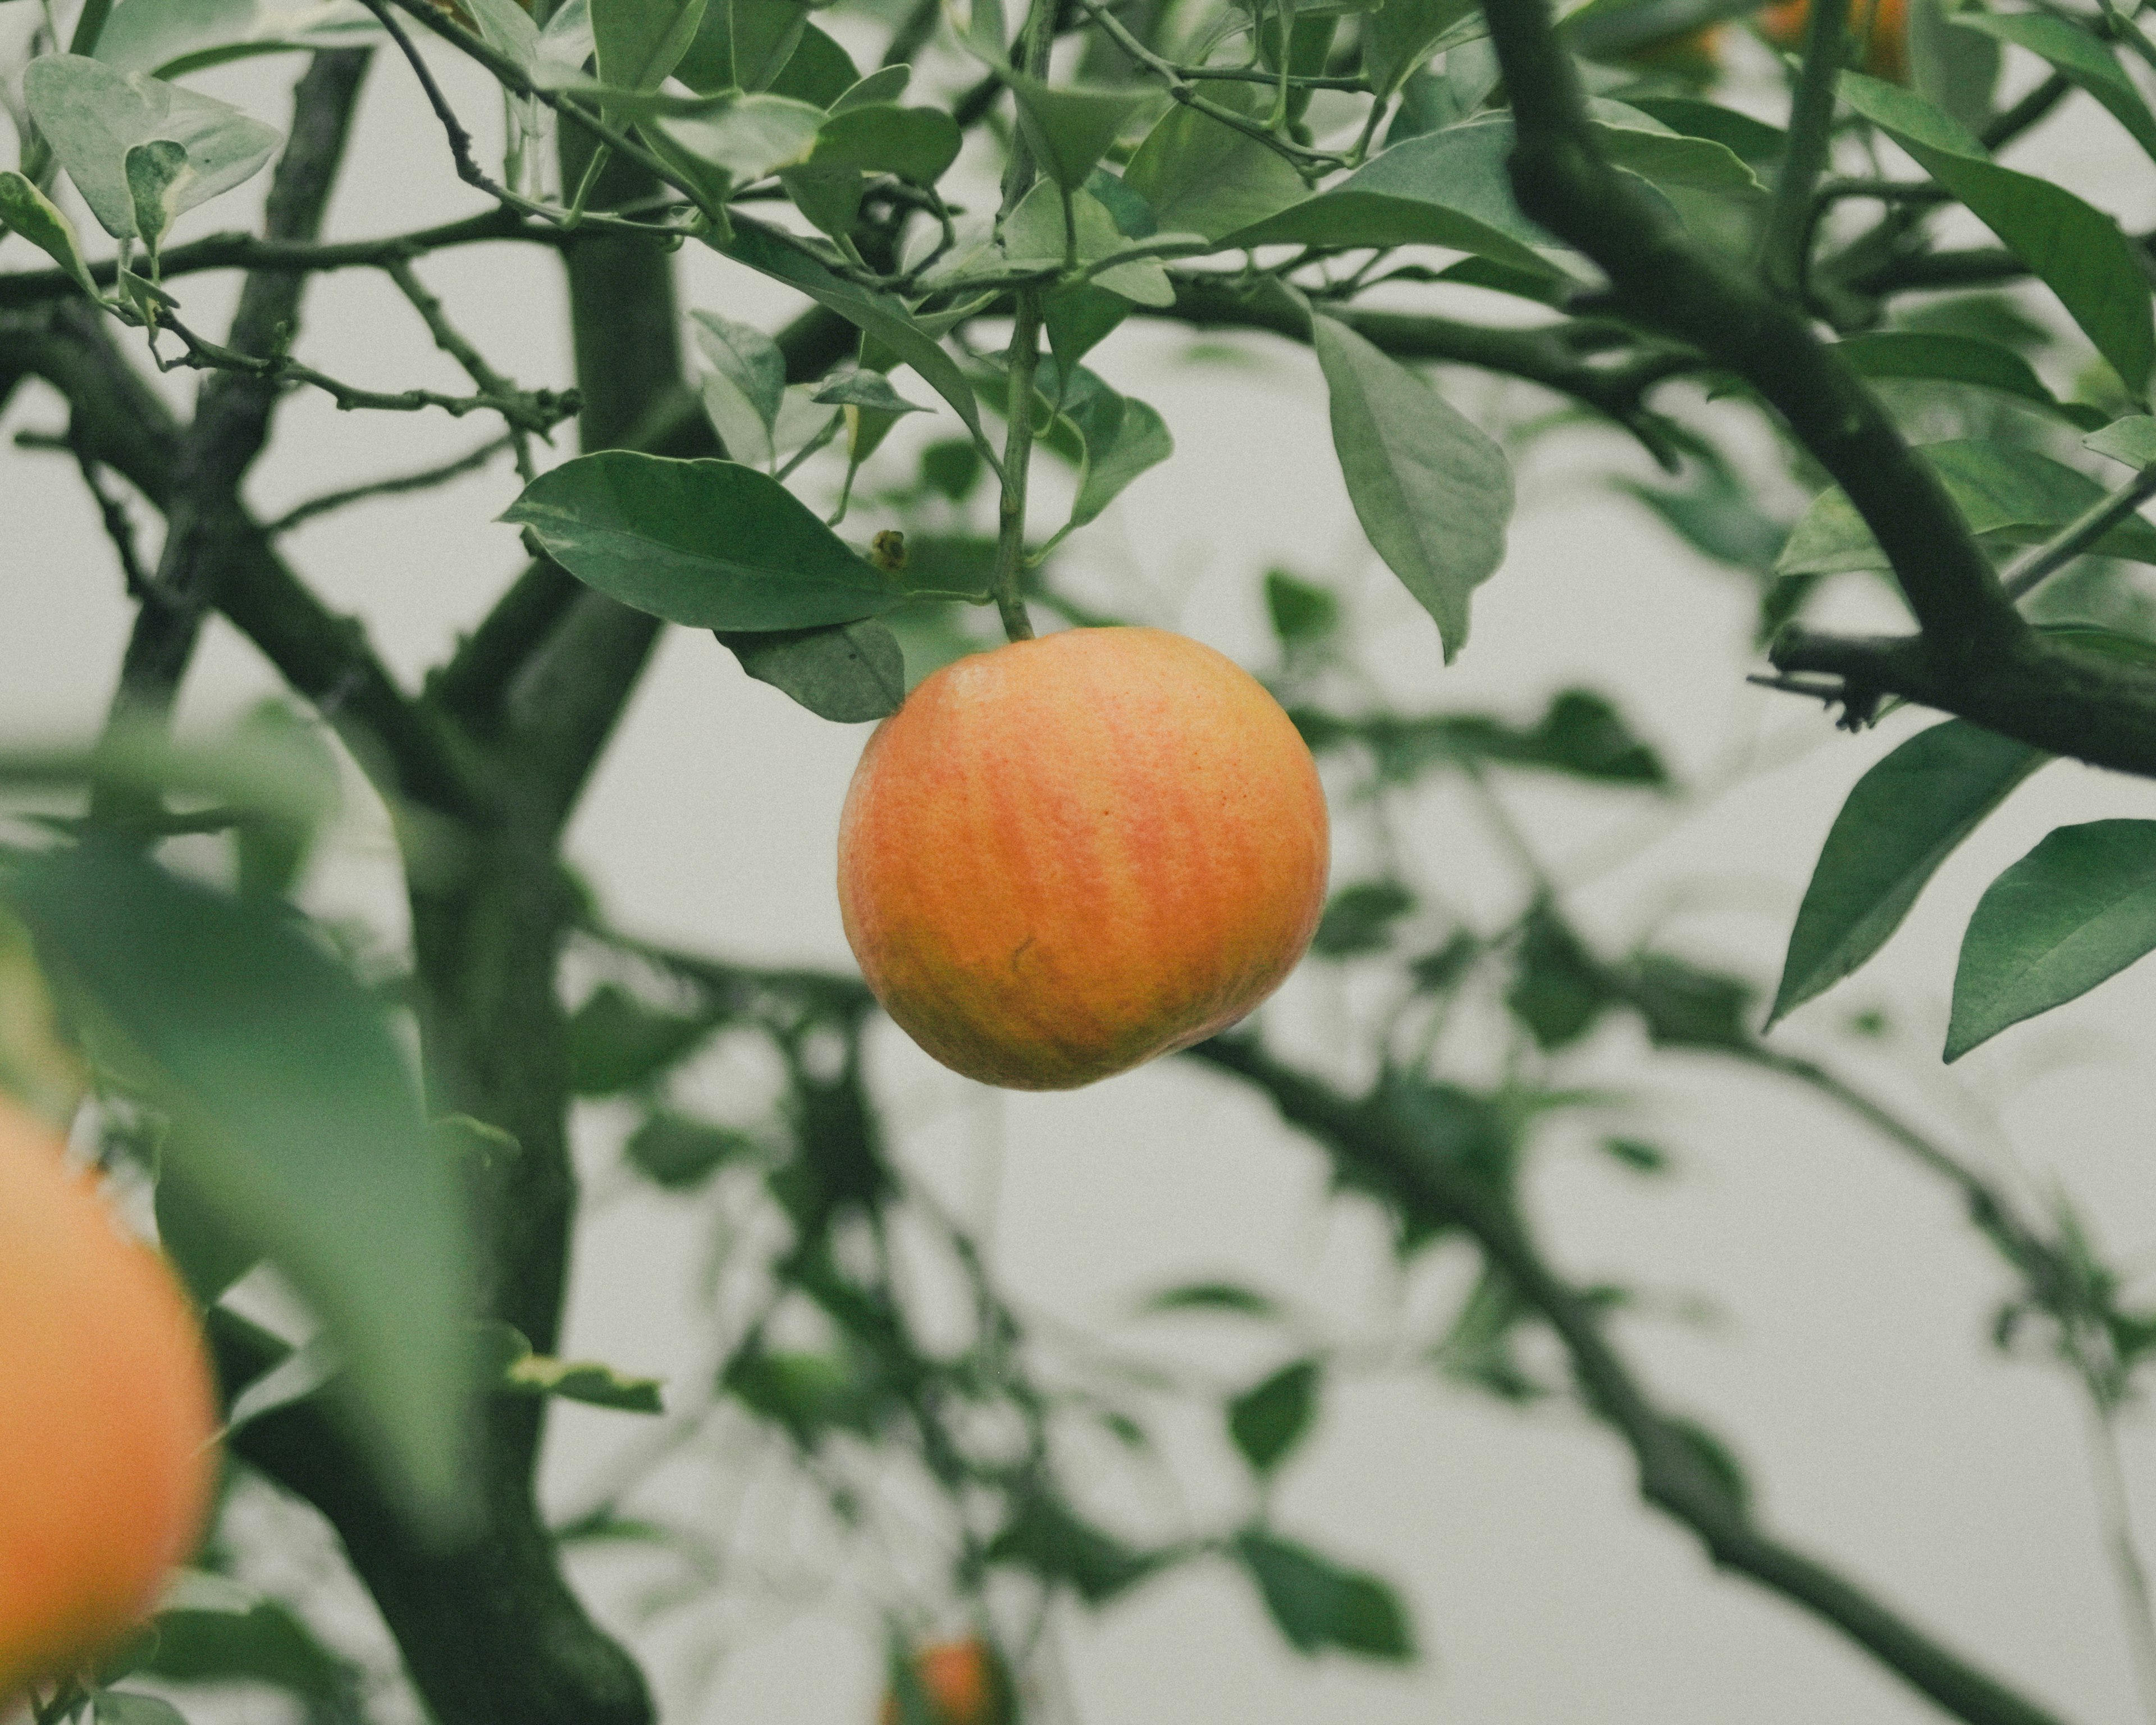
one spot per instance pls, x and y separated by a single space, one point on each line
1377 1148
1664 280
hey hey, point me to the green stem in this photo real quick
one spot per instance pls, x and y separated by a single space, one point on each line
1018 458
2098 519
1783 259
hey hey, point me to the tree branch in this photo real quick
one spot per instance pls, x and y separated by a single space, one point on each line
1378 1148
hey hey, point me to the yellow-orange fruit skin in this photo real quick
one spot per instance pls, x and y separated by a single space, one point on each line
1064 857
1887 38
106 1416
963 1682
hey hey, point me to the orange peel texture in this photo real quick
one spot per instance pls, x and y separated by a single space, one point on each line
1061 858
107 1416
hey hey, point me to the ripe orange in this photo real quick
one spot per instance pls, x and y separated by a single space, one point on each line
963 1682
1885 34
106 1416
1065 856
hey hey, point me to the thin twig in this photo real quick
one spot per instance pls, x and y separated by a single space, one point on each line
452 341
400 483
2022 577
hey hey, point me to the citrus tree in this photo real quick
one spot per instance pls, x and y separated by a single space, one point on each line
1761 252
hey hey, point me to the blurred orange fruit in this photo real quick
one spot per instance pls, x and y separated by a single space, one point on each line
107 1417
963 1682
1065 856
1886 24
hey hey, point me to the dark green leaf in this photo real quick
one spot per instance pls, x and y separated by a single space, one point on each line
296 1123
209 1254
848 672
742 45
818 72
749 359
676 1152
809 1394
1359 918
916 144
1955 70
1436 972
711 544
1901 821
1717 1458
616 1043
1046 1538
1301 614
1070 129
952 469
1202 176
1432 493
887 83
1271 1418
1317 1603
1078 320
1753 140
2078 252
1558 990
2074 912
639 41
861 387
725 148
1953 359
1637 1154
1685 1006
1212 1296
1580 734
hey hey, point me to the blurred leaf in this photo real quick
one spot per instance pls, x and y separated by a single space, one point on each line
1212 1296
1903 820
2078 251
1719 1460
29 213
1955 70
205 1252
809 1394
172 37
616 1043
1580 734
1684 1006
1753 140
675 1152
952 469
516 1370
1359 918
861 387
1477 1350
818 72
121 1707
93 114
2072 913
1951 359
272 849
1301 614
1317 1603
2078 54
1272 1418
1047 1539
1558 990
1718 516
1637 1154
265 1643
711 544
1432 493
1435 972
2131 440
296 1123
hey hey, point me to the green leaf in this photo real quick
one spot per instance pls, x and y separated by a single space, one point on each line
1432 493
1301 614
34 216
296 1123
1316 1604
1753 140
172 37
1212 1296
861 387
1401 35
503 24
1952 69
518 1371
93 114
1636 1154
751 137
2078 252
1633 139
616 1043
879 314
849 672
1580 733
121 1706
2003 491
1045 1537
709 544
263 1643
1079 319
677 1153
2080 56
156 173
1558 990
809 1394
2074 912
1448 188
1949 359
887 83
744 388
916 144
1202 176
1271 1418
818 72
742 45
1070 129
1358 919
1903 820
1124 437
1684 1006
2131 440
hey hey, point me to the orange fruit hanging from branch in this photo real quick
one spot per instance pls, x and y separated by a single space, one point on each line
1883 25
1065 856
963 1683
107 1419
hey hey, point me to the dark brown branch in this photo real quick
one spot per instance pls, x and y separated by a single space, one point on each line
1377 1148
1662 280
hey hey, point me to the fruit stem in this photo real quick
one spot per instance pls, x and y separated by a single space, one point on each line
1018 457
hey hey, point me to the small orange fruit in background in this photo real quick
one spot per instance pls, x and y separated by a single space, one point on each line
1068 855
106 1416
1885 25
963 1682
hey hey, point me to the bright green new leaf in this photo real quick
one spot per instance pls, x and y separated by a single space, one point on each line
2007 492
1202 176
2080 56
1316 1604
295 1125
2131 440
1432 493
849 672
93 114
709 544
1401 35
1270 1419
34 216
2074 912
1903 820
879 314
2078 251
916 143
